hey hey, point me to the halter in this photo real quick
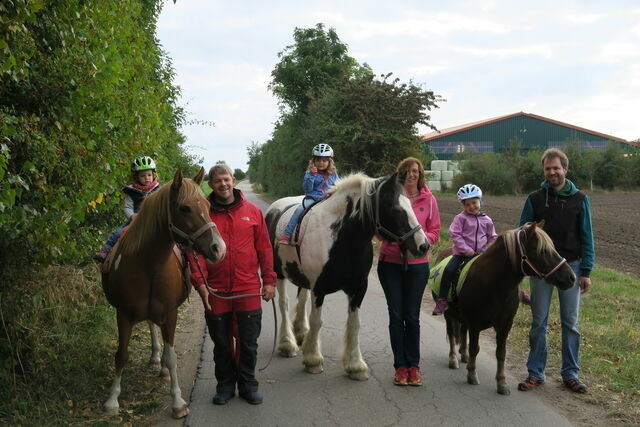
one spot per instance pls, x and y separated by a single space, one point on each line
386 233
190 238
524 259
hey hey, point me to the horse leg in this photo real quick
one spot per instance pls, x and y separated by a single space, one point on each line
154 360
474 348
501 351
179 407
464 343
312 355
287 345
125 326
453 332
352 360
300 321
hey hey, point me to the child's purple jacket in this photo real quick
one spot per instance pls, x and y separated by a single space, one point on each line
471 234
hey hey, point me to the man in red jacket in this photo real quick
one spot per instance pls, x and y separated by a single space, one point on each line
246 269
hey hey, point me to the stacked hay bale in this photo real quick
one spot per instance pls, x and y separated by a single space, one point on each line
440 176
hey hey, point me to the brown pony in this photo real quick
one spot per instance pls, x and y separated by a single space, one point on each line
145 279
489 294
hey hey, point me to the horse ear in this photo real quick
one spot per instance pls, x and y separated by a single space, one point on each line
177 181
198 178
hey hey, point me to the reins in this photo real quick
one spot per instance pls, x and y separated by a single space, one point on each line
525 259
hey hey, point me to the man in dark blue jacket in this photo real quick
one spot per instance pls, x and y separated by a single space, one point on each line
567 215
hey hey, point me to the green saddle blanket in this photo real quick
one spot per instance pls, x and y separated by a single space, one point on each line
436 276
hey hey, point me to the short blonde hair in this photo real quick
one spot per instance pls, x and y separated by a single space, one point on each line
552 153
220 169
405 164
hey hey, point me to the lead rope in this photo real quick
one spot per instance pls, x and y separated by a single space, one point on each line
273 304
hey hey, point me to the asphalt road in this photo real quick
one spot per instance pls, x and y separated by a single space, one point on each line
295 398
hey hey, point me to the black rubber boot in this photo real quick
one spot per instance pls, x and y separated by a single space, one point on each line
249 325
219 326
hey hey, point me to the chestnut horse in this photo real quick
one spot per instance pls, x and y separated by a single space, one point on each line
489 294
145 278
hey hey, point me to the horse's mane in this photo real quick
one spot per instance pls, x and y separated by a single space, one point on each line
362 187
152 216
509 237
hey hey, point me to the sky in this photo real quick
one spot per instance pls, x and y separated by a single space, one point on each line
573 61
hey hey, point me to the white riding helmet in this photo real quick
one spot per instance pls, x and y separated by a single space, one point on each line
469 191
323 150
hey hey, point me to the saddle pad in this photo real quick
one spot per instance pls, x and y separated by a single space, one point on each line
436 276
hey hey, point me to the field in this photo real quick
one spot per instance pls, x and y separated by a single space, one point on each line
615 223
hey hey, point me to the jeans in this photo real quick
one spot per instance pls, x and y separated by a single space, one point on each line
404 290
448 275
541 293
113 238
291 226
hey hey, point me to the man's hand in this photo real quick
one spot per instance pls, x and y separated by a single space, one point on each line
584 284
204 295
268 292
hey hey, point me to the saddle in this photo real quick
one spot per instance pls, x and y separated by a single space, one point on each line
296 236
459 276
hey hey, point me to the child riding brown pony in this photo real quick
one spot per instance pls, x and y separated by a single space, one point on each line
488 296
144 279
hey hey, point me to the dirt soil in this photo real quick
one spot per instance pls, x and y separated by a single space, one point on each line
616 220
617 236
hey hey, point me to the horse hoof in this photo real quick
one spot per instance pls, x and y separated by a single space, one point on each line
154 364
313 369
358 376
473 379
464 358
504 390
178 413
111 410
453 364
164 373
288 353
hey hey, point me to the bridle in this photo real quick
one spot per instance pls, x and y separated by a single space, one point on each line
385 232
190 238
525 259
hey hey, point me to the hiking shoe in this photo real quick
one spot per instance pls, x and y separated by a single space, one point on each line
401 377
524 298
284 239
530 383
574 384
441 306
252 397
223 397
101 255
415 377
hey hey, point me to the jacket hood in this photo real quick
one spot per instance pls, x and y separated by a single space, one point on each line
569 188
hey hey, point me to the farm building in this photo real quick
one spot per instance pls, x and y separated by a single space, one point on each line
493 135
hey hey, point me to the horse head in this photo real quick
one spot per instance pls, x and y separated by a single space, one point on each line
189 221
541 259
395 219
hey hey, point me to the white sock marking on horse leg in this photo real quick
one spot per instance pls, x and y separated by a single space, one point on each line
311 345
155 346
111 405
352 358
170 360
287 343
300 321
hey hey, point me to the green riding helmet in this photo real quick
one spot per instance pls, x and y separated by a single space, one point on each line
143 163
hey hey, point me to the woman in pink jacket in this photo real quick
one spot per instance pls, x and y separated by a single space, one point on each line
471 232
404 284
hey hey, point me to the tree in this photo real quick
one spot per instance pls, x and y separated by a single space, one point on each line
239 175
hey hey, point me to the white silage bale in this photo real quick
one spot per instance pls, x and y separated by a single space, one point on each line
439 165
453 165
434 185
446 185
446 175
433 175
456 172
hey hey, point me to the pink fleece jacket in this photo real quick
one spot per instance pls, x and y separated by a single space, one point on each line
471 234
425 207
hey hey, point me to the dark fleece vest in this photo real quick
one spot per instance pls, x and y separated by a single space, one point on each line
138 195
561 216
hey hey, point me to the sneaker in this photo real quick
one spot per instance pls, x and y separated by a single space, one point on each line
441 306
415 377
530 383
102 254
524 298
401 377
284 239
223 397
575 385
252 397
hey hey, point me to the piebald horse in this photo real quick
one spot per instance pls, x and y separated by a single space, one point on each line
335 253
489 293
145 279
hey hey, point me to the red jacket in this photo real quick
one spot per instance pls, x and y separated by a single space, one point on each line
249 255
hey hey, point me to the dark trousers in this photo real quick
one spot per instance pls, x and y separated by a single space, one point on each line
449 274
227 372
404 290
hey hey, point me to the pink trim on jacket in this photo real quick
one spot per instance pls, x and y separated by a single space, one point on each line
425 207
471 234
